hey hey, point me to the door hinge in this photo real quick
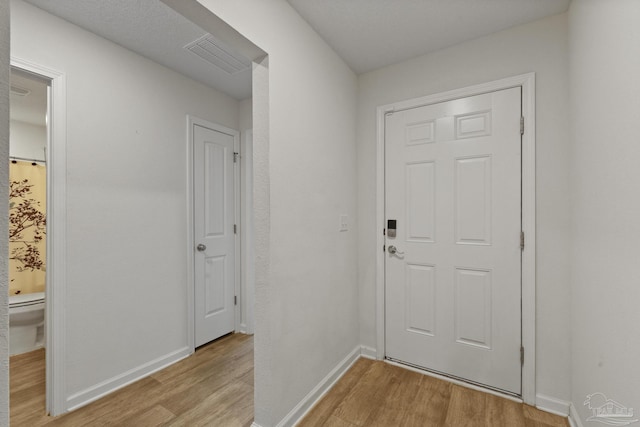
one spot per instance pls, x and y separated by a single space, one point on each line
521 356
522 240
384 231
235 300
521 125
235 157
384 248
235 229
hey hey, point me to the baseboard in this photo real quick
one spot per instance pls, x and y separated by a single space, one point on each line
97 391
574 417
318 392
552 405
368 352
254 424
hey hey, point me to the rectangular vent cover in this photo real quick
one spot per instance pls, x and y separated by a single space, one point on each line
219 54
19 91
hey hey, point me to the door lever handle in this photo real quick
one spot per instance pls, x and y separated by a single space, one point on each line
394 251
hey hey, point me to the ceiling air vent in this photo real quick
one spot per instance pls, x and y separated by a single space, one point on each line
19 91
219 54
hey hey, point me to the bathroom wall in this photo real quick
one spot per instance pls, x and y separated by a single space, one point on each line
540 47
28 140
126 295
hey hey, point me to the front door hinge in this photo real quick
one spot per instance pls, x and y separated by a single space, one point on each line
521 125
235 229
235 157
235 300
521 356
522 240
384 248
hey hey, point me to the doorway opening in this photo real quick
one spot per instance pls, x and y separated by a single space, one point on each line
38 143
27 211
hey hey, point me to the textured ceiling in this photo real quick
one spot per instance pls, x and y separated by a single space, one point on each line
370 34
151 29
31 108
367 34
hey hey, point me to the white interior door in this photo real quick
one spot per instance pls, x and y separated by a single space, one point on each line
453 286
214 234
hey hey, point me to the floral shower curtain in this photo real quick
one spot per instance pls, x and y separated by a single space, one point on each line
27 227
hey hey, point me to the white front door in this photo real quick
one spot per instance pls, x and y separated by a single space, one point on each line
453 285
214 237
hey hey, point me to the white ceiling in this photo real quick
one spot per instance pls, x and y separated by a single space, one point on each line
370 34
153 30
31 108
367 34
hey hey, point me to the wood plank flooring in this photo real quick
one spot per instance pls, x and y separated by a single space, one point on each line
374 393
213 387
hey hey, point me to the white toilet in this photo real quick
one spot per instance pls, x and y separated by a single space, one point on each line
26 322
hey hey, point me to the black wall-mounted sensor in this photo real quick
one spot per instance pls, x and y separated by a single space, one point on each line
391 228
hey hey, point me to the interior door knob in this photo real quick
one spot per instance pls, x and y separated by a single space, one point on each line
393 250
201 247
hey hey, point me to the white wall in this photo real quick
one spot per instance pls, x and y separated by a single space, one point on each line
244 114
605 187
306 314
4 213
126 195
541 47
27 140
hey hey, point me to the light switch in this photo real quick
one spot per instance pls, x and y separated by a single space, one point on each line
344 222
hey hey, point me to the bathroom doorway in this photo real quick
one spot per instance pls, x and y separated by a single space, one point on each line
28 233
38 147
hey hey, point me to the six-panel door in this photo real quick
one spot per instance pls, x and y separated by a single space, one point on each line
453 183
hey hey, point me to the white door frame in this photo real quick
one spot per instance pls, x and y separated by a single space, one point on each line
247 271
192 121
56 273
527 82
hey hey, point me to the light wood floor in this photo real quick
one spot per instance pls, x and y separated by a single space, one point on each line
374 393
214 387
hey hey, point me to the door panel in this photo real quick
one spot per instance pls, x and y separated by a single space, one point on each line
452 291
214 215
420 299
421 180
473 200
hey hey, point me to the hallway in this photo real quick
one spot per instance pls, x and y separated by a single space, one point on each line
214 386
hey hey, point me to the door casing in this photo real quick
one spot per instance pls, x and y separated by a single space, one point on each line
527 83
55 342
191 122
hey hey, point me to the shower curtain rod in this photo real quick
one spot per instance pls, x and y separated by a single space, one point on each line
26 160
